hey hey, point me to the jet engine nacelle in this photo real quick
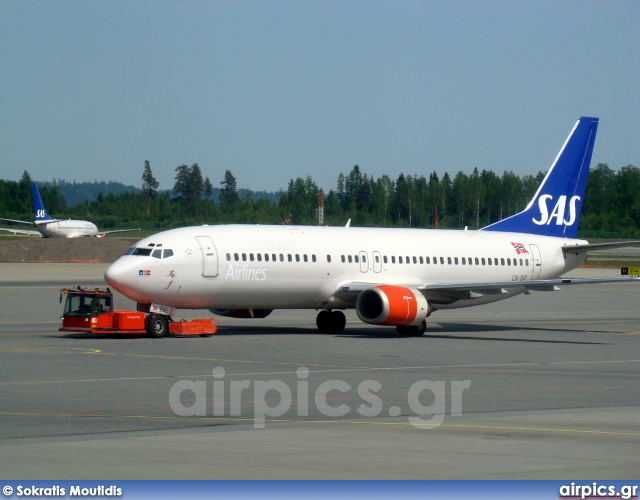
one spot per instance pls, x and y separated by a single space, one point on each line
242 313
392 305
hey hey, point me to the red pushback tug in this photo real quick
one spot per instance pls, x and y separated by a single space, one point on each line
93 311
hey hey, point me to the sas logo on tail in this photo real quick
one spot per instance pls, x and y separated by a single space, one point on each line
558 211
519 248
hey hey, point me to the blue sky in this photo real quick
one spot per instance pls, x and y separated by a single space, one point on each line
274 90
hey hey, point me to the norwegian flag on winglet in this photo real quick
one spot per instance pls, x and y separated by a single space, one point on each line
519 248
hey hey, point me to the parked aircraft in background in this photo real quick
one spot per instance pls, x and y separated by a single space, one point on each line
394 277
48 227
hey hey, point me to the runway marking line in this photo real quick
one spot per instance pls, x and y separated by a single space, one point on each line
456 368
344 422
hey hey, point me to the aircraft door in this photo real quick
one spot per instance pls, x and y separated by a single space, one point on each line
209 256
364 262
537 261
377 262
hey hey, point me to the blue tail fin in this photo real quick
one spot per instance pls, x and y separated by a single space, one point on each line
555 208
38 206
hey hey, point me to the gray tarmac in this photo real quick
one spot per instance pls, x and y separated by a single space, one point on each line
543 386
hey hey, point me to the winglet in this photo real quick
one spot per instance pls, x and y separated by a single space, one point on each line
38 206
555 208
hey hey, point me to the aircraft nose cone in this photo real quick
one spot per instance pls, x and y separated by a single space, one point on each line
118 277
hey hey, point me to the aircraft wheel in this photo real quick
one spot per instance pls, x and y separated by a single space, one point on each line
418 330
403 331
412 331
323 321
338 321
158 326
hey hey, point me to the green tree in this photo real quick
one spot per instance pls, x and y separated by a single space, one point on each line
149 186
228 192
24 191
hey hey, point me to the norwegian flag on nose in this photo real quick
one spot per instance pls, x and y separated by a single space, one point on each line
519 248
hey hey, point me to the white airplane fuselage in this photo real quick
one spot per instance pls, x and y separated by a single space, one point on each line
304 267
67 228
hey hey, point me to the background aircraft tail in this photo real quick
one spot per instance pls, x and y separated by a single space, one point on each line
38 206
555 208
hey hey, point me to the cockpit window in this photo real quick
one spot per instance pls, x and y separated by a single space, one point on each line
143 252
157 253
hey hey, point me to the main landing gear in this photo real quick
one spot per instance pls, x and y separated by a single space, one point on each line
412 331
331 321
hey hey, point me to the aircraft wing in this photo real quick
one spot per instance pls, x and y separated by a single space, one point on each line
578 249
451 292
21 231
18 221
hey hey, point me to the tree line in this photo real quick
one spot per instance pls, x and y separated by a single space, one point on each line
611 207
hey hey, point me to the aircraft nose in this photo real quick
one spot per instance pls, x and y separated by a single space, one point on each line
120 276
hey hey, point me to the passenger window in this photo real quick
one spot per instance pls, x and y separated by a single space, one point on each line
464 261
502 261
508 262
313 258
384 259
377 259
289 258
483 261
251 257
297 257
520 262
421 261
442 260
495 261
259 257
455 260
428 260
400 260
281 258
477 262
266 257
228 256
364 258
168 253
236 257
414 260
489 261
527 262
342 259
304 257
393 259
273 257
356 259
244 256
157 254
329 258
350 259
408 260
449 260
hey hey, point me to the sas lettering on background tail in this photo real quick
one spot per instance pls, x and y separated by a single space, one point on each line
555 208
40 211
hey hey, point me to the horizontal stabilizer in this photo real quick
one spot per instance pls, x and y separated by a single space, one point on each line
579 249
